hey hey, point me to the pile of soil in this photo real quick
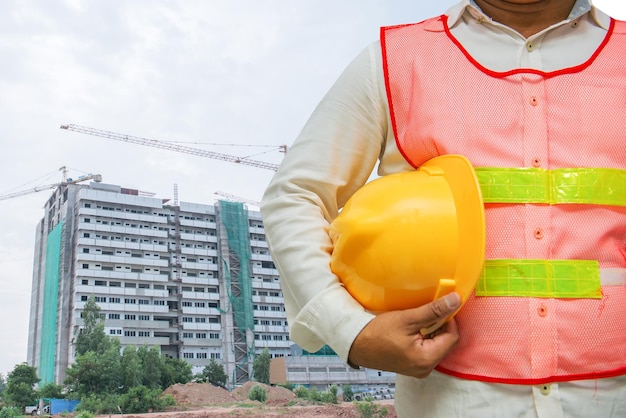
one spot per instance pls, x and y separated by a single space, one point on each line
276 395
194 394
200 400
197 394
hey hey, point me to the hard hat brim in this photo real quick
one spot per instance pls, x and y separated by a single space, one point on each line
465 188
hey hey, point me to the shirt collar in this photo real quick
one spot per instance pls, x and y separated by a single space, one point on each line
581 7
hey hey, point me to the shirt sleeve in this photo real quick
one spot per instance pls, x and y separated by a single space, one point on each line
332 157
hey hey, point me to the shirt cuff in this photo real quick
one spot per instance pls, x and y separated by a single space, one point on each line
332 318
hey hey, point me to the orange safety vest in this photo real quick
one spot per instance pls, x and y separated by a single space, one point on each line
442 101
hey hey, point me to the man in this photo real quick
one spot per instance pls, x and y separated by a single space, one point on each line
522 87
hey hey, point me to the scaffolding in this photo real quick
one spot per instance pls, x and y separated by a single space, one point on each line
238 287
47 353
178 265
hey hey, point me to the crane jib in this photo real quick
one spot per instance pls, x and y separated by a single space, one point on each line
171 147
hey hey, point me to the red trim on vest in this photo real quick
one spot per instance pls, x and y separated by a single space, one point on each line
551 379
392 112
545 74
444 21
426 129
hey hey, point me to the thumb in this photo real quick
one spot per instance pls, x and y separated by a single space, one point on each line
447 304
437 311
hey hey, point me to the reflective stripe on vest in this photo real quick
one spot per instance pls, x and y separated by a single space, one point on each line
541 279
600 186
547 278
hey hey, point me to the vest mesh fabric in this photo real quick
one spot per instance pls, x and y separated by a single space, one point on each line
443 102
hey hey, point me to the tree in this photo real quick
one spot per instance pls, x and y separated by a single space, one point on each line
3 385
10 412
96 373
261 366
150 359
51 390
85 375
91 336
174 370
131 368
112 367
213 373
21 383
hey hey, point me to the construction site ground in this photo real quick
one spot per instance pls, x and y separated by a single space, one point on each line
197 400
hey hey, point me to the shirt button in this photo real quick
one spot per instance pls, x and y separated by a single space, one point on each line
542 311
545 389
536 162
538 233
529 46
533 101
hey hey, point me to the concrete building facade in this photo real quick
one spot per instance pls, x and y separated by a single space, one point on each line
195 280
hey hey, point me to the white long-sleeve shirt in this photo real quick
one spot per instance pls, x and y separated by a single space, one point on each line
348 134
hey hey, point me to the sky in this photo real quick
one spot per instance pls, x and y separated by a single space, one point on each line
236 77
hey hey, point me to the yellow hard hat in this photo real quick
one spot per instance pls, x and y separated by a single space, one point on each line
405 239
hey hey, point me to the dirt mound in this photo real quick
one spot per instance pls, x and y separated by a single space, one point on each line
199 394
200 400
276 395
207 394
342 410
203 400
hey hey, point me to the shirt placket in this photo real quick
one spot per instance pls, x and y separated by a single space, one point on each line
537 223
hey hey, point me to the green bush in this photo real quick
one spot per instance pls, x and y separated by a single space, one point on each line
331 395
301 392
10 412
288 385
348 394
315 395
168 400
89 404
107 404
258 393
141 399
138 399
368 409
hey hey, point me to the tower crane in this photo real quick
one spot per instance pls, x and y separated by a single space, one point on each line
95 177
172 147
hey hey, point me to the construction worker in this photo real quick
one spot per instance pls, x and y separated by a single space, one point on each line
533 93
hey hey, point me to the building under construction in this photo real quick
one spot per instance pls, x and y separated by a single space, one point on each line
196 280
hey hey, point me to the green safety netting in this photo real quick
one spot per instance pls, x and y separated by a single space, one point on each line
324 351
237 277
50 301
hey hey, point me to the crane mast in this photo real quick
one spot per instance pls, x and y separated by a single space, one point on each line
171 147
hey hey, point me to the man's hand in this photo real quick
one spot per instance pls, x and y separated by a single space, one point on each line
392 341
